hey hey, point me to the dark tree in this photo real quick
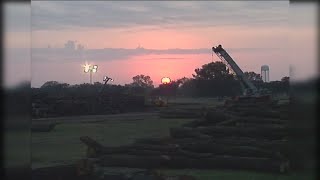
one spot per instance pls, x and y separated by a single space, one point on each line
50 84
213 71
285 79
169 89
187 86
142 81
252 76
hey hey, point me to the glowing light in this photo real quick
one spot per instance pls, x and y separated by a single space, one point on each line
165 80
86 68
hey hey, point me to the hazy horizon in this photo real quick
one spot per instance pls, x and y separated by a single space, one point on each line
158 39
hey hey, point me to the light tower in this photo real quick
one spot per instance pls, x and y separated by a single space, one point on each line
265 73
90 69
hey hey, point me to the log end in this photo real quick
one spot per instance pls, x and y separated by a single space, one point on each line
91 152
84 167
284 167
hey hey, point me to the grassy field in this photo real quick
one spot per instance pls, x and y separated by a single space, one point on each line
62 145
16 148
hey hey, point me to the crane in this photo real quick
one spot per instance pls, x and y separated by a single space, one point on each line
247 86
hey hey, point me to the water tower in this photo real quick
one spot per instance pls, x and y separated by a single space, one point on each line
265 73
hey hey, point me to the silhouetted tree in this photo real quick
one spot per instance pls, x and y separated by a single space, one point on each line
252 76
214 70
169 89
142 81
187 86
285 79
49 84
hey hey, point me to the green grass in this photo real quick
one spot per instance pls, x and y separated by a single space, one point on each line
237 175
63 145
16 148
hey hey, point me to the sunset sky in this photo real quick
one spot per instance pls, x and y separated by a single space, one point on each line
170 38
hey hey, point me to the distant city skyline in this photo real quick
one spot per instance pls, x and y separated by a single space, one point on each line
170 38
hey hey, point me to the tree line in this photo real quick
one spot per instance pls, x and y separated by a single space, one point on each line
211 80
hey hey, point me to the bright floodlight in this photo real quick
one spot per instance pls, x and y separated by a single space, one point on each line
86 68
95 67
94 70
165 80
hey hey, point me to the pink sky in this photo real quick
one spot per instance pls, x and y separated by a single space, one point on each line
267 32
175 67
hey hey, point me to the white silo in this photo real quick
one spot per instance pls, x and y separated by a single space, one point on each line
265 73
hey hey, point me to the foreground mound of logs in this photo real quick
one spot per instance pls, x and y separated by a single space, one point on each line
181 113
222 138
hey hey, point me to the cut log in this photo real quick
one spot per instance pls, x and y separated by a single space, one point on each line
229 122
84 167
178 152
217 162
260 112
90 142
274 145
167 148
204 122
262 132
156 141
95 149
134 161
180 115
259 120
257 125
234 150
186 133
196 123
213 117
215 131
245 163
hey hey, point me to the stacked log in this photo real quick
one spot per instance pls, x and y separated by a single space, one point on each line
181 113
223 138
181 162
84 105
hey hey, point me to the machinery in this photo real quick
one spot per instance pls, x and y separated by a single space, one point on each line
249 90
106 79
158 102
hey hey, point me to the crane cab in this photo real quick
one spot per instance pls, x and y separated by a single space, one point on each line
217 49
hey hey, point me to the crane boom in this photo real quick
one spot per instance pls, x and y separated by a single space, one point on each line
226 58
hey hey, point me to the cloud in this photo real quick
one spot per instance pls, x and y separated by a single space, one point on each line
303 15
17 17
71 54
155 14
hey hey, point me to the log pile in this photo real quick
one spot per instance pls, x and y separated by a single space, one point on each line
44 107
223 138
181 113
